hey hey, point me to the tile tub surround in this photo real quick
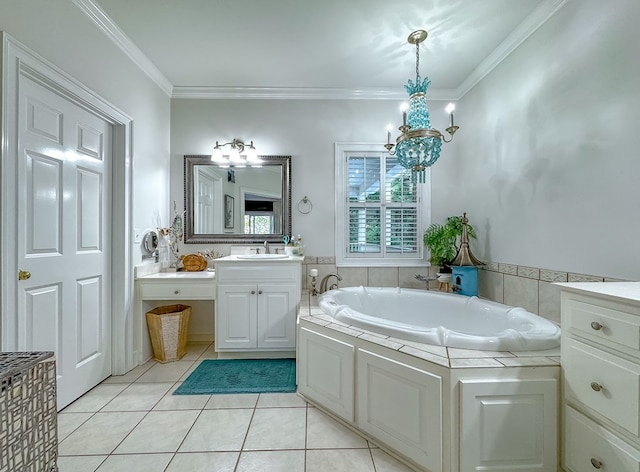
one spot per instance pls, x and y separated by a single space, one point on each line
532 288
529 287
133 422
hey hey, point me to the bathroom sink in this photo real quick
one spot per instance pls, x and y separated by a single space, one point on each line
263 256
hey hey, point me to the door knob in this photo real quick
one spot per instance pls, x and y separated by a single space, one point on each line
24 274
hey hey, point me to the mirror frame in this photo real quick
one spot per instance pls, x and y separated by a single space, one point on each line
190 238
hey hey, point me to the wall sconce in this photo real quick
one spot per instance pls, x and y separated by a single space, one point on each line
237 157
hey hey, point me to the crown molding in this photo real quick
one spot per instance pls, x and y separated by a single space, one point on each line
300 93
98 16
526 28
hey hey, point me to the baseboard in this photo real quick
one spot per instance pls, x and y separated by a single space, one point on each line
199 338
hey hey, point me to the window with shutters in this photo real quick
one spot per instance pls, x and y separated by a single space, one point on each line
381 209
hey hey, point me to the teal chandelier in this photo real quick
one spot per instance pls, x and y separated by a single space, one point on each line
418 145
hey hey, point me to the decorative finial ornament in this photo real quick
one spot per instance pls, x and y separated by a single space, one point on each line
464 256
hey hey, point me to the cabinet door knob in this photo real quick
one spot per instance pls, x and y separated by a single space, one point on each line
596 326
596 463
259 292
596 386
176 292
253 292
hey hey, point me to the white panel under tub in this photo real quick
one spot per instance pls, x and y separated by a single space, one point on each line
401 405
508 425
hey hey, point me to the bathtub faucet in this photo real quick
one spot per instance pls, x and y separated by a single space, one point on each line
426 279
323 282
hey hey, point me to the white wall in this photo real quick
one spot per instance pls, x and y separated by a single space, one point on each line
59 32
549 161
63 35
307 131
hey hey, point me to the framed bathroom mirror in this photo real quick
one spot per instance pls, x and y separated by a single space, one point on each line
236 204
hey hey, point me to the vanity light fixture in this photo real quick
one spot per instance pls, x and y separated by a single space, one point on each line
236 157
418 145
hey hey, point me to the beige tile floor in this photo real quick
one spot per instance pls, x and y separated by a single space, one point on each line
133 422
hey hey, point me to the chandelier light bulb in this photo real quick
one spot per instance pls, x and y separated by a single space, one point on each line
389 128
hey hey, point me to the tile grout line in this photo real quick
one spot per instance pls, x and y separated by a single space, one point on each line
246 434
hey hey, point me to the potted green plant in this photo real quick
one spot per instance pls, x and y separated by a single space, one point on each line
443 240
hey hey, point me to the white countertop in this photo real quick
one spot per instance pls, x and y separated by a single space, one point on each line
242 258
621 290
205 274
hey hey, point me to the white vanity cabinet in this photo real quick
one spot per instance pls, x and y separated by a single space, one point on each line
157 288
257 304
601 367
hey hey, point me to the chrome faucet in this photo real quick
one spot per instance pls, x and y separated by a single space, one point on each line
323 282
266 248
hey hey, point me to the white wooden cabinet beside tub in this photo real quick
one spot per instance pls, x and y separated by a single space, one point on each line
435 417
256 305
601 371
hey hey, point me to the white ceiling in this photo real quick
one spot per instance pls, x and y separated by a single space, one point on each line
348 47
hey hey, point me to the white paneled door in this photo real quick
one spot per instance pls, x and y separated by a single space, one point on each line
63 237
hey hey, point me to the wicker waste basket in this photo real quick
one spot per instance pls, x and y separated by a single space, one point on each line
168 326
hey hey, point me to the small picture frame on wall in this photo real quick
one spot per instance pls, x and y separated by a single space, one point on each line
228 211
231 176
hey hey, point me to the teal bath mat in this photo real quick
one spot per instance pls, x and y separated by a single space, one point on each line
240 376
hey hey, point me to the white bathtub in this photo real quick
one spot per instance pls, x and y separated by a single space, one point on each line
442 319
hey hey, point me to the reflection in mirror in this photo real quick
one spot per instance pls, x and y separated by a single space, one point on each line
237 204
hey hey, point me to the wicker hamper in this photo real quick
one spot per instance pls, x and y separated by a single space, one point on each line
28 416
168 326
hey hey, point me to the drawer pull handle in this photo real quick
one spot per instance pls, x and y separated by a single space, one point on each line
253 292
176 292
596 326
596 463
596 386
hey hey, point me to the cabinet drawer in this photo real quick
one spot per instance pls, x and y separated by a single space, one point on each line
177 291
615 328
606 383
589 446
245 272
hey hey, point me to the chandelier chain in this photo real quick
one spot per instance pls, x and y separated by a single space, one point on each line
417 59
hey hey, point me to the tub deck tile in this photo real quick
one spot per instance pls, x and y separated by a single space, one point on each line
346 329
457 353
427 356
433 349
474 362
555 352
526 361
315 320
381 341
